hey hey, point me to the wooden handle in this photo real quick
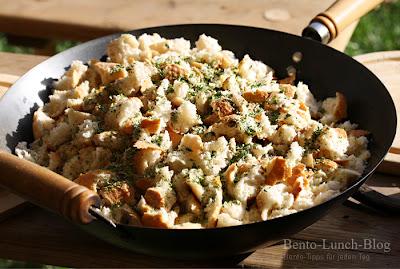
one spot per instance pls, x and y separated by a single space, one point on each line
344 12
338 16
46 188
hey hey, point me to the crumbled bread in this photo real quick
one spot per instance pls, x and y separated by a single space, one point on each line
144 159
252 70
138 79
277 171
161 195
76 118
257 96
298 179
72 77
124 50
185 117
208 43
273 197
159 218
213 208
109 139
326 165
152 126
335 109
284 135
333 143
295 154
224 220
110 72
58 135
174 136
55 161
41 124
118 194
123 112
93 178
126 215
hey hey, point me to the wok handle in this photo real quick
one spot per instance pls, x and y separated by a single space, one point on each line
377 200
327 25
46 188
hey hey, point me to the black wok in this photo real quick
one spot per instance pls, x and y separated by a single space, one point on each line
324 69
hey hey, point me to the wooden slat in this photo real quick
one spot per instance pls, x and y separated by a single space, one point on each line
18 64
84 20
10 204
14 65
386 66
6 81
391 164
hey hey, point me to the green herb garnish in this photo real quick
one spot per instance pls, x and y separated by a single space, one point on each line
273 116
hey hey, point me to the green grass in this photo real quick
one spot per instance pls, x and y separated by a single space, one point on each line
20 264
7 47
378 31
59 46
63 45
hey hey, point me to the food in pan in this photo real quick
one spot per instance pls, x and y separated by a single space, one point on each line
171 136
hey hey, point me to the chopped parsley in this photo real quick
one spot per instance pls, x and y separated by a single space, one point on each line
200 129
273 116
234 202
123 170
136 131
130 152
157 140
102 107
241 152
170 89
217 95
160 69
274 100
257 84
209 135
174 116
250 131
310 144
115 69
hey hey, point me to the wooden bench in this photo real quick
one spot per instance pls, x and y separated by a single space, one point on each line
44 21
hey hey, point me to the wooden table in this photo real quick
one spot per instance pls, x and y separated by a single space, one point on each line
84 20
39 236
